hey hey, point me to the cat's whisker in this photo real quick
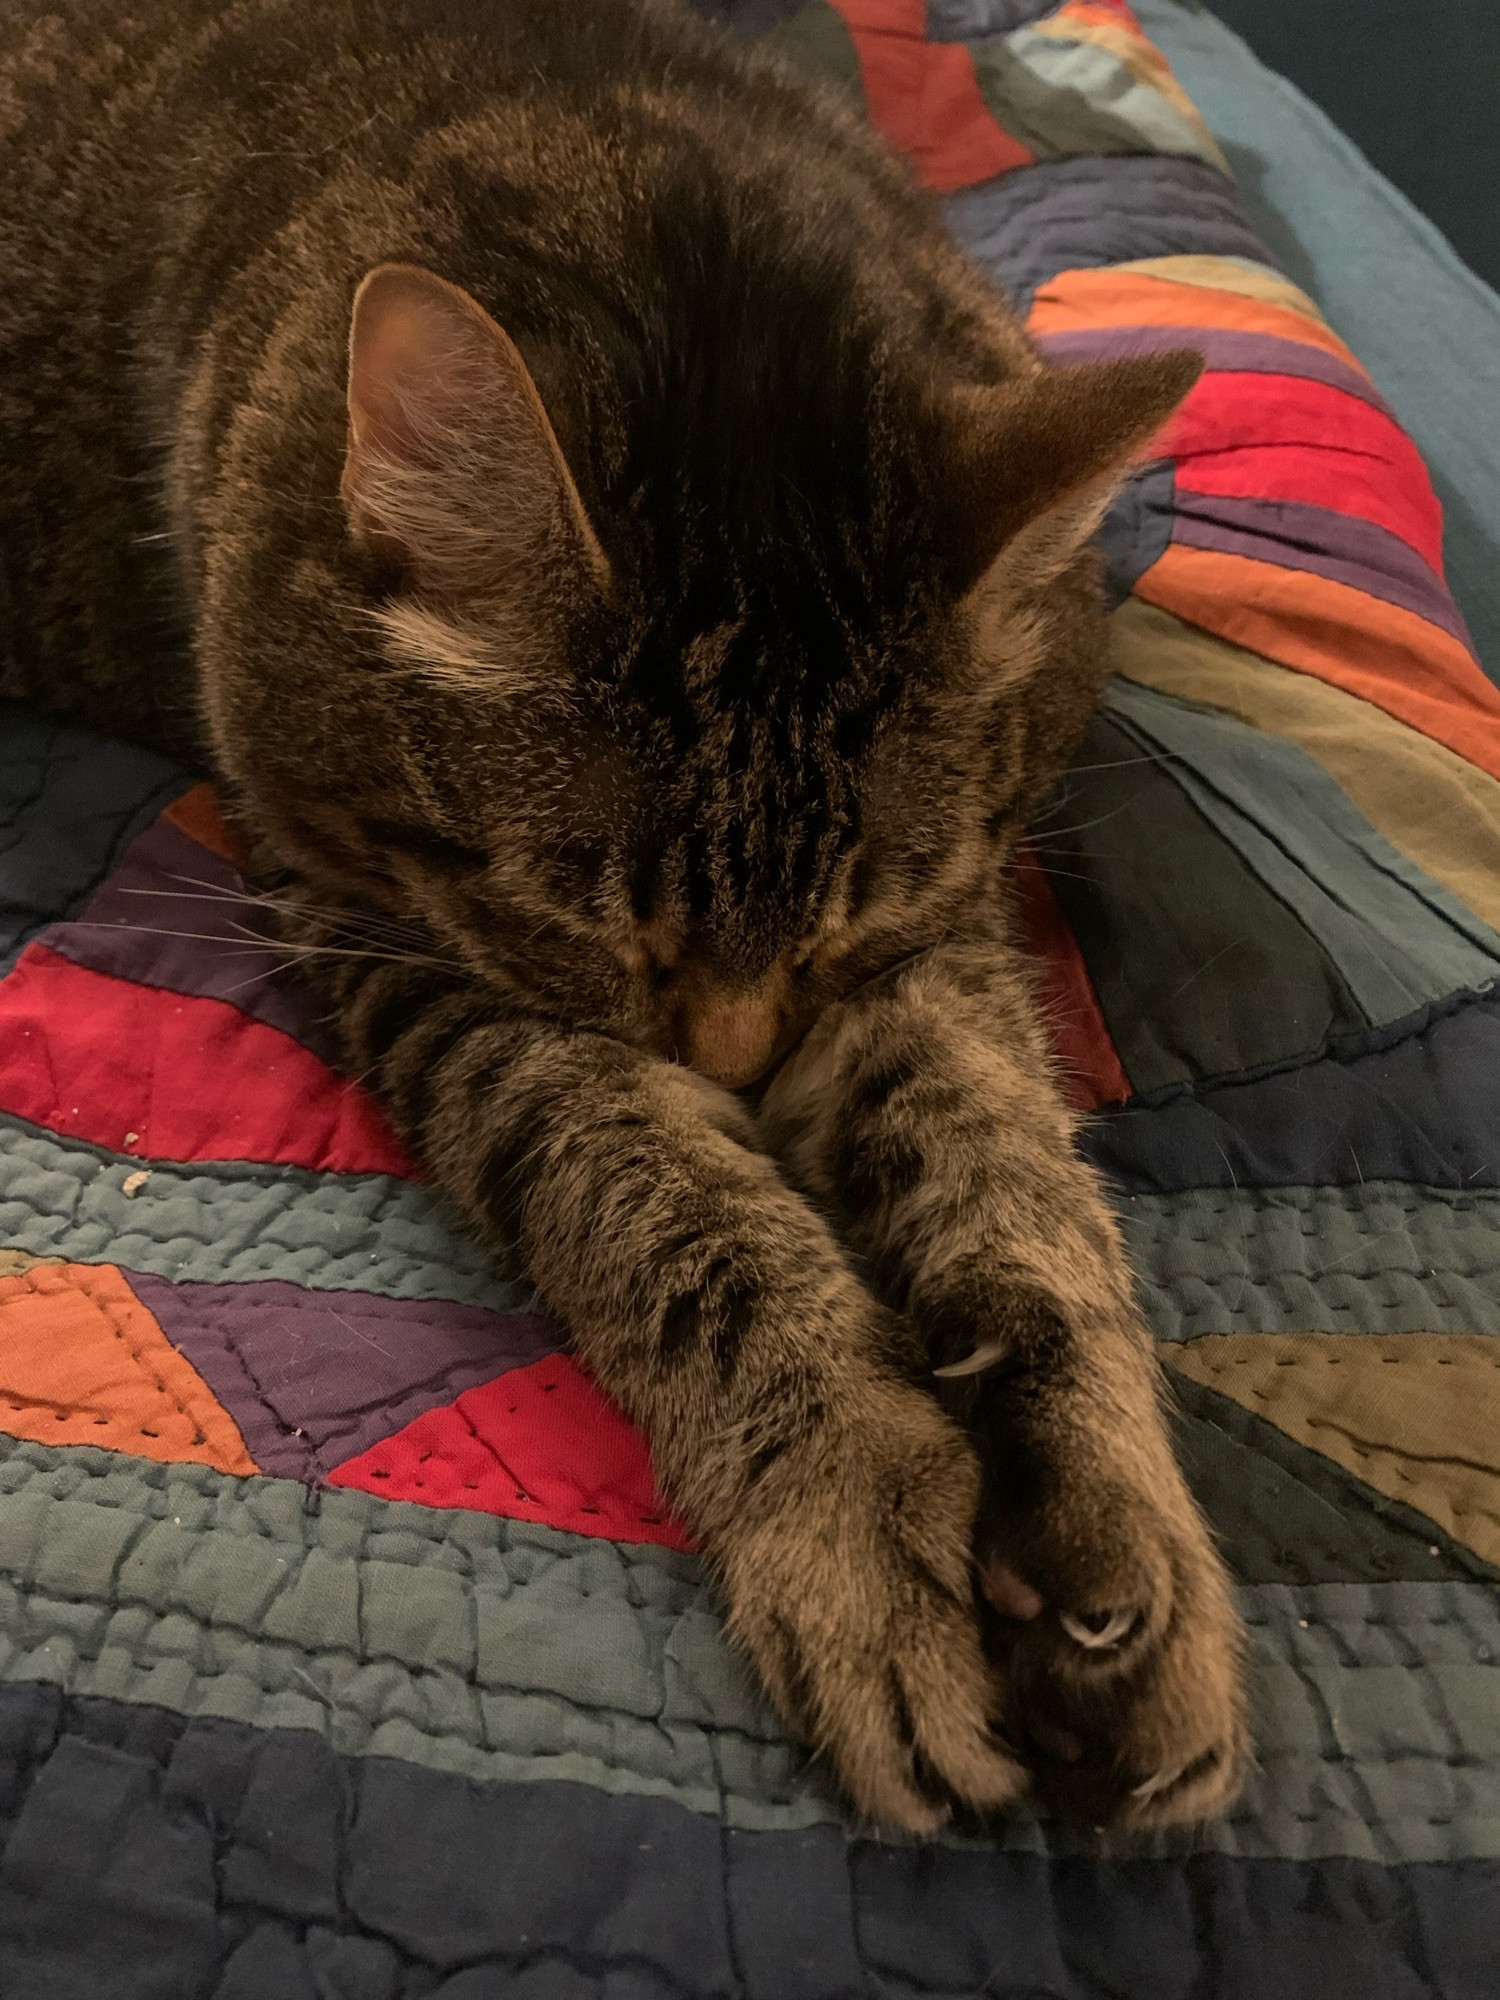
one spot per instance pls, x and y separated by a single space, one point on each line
1087 825
393 930
292 947
1122 763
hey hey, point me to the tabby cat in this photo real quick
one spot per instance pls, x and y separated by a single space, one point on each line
630 577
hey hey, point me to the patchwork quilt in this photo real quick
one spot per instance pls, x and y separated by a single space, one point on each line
347 1651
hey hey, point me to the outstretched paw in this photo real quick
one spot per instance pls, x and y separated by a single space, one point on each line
850 1583
1122 1657
1113 1629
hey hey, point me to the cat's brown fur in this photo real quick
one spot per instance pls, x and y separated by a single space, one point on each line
634 657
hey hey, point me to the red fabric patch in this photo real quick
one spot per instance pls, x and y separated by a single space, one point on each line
1091 1067
537 1444
924 97
1282 437
138 1069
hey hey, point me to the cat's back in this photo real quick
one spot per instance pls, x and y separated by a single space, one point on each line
150 154
186 183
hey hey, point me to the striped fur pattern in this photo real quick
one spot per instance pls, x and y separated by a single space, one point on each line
629 574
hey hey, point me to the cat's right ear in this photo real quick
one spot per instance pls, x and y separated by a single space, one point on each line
453 468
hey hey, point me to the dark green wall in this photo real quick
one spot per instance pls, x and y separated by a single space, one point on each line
1415 84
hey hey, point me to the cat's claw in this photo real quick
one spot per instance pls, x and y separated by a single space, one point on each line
1097 1632
988 1354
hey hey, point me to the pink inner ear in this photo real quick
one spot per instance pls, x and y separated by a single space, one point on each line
450 447
417 354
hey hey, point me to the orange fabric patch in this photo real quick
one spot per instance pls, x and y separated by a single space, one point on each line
1080 300
197 815
1090 13
83 1362
1384 654
924 98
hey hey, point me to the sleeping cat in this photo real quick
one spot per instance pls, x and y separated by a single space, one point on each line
630 578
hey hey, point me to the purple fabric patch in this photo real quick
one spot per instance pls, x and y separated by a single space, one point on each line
1086 213
1341 547
176 915
313 1378
1226 354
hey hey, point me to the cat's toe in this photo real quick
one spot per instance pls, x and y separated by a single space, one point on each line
1127 1703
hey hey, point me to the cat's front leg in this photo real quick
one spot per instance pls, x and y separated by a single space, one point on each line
835 1500
924 1114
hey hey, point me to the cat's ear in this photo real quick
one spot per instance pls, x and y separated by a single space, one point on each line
453 467
1034 465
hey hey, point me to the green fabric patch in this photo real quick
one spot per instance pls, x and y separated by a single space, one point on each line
816 42
495 1649
1199 968
1399 938
1380 1258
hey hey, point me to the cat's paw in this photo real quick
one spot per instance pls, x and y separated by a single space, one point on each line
1115 1633
1122 1656
850 1583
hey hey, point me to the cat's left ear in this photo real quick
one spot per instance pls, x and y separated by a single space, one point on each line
452 465
1033 465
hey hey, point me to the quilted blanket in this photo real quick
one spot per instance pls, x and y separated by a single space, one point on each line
347 1651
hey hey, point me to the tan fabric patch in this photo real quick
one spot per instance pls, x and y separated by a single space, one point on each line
1225 274
14 1261
1415 1415
83 1362
1441 812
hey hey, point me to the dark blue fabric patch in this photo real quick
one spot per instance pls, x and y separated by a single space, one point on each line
1082 214
69 803
1137 530
974 20
144 1856
1417 1100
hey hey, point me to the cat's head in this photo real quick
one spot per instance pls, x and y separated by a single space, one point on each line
692 745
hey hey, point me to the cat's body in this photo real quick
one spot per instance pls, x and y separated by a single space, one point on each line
636 707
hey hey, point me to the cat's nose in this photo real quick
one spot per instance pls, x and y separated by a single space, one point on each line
731 1038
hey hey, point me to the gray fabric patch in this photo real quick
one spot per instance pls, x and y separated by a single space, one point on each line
471 1644
1079 98
1383 1257
215 1221
1380 1258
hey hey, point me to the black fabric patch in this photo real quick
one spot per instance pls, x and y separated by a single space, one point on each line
147 1857
1198 967
1084 214
69 805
